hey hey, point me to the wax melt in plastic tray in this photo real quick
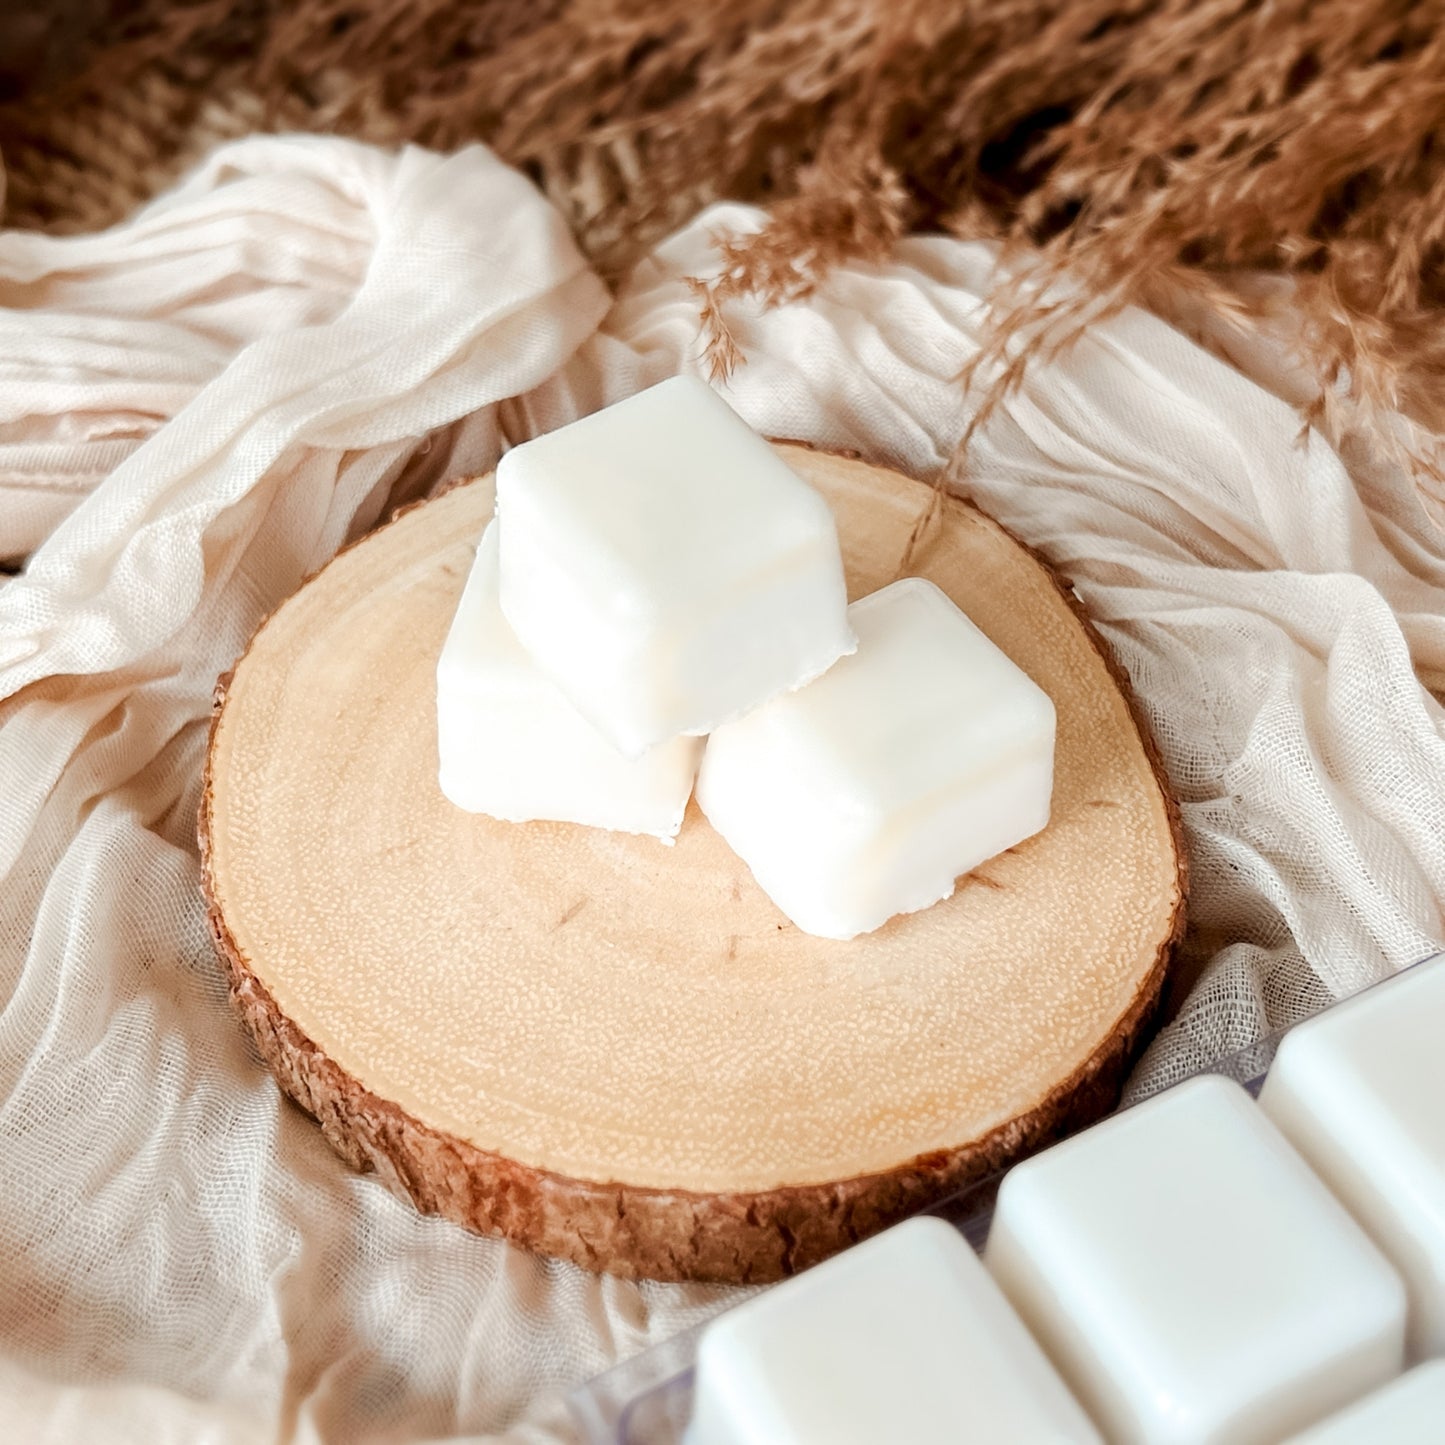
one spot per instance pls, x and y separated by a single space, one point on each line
647 1400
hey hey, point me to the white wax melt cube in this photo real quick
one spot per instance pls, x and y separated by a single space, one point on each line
1191 1278
1411 1411
1360 1091
902 1338
511 745
870 791
665 567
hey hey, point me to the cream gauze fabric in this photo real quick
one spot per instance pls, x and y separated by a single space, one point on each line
199 407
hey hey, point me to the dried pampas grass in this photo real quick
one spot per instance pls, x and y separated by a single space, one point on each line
1138 148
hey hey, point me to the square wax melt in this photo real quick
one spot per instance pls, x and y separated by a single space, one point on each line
870 791
1191 1278
901 1338
665 567
1360 1092
511 745
1411 1411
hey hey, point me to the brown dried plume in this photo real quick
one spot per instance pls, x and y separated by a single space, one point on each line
1138 145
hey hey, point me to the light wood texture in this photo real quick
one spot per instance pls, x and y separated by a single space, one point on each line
622 1053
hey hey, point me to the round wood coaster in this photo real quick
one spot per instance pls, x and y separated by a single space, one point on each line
621 1053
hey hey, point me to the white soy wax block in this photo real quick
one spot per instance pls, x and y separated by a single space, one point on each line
665 567
869 792
1191 1278
512 746
1411 1411
1360 1092
902 1338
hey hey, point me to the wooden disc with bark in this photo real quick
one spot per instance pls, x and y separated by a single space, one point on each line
621 1053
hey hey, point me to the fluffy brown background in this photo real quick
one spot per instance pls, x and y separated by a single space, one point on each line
1139 143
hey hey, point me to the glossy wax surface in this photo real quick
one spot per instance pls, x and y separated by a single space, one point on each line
1411 1411
1360 1091
1195 1283
902 1338
665 567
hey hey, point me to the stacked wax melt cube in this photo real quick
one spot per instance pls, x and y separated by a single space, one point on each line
656 574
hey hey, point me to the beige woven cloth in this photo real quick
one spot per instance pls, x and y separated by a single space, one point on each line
199 407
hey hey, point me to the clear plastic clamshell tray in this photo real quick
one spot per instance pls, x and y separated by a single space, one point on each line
647 1400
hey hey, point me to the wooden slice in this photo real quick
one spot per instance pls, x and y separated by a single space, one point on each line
622 1053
